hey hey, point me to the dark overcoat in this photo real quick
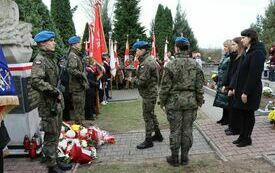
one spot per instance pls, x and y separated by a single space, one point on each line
248 78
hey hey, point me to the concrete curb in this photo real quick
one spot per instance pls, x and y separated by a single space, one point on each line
211 143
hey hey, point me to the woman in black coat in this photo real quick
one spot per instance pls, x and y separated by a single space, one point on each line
235 57
247 85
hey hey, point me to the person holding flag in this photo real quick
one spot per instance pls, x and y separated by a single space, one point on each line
147 81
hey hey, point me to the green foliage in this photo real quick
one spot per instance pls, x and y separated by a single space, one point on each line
163 26
181 26
126 23
265 25
106 21
268 34
85 37
61 14
36 13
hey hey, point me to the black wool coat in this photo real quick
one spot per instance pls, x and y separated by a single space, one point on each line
248 78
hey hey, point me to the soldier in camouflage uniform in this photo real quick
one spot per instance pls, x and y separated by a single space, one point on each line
44 77
146 81
180 95
78 82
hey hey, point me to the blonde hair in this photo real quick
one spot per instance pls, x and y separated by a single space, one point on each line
228 43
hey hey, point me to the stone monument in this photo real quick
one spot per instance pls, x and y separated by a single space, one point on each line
16 41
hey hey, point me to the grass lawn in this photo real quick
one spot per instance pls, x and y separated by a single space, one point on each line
118 117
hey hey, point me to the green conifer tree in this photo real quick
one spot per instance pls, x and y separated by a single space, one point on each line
163 28
62 16
181 26
126 23
39 16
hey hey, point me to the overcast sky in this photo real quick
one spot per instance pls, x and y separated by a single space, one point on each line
212 21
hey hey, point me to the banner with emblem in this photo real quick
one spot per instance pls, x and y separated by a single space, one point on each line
8 97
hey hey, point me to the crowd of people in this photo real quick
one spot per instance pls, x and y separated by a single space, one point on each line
239 86
86 76
75 96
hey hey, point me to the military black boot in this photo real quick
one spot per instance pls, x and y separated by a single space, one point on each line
55 169
157 136
184 159
63 165
146 144
173 160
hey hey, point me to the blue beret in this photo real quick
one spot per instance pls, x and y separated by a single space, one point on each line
182 40
141 45
44 36
74 39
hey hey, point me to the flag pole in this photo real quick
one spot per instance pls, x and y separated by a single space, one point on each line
111 82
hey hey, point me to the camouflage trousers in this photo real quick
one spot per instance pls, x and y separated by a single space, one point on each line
51 125
181 130
149 116
78 102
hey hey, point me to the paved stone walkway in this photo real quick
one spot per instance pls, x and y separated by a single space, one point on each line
125 147
206 132
263 137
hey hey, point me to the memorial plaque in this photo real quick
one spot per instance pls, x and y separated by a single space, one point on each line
20 108
31 97
28 98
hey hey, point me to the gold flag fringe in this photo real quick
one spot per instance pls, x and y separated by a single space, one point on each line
7 103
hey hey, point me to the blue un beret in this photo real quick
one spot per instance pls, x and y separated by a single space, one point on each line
182 40
74 39
141 45
44 36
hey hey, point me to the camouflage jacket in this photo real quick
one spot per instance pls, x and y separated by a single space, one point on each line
44 79
147 77
181 85
77 77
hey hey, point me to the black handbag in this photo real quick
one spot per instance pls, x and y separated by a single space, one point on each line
4 136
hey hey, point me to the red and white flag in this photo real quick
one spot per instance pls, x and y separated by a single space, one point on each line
112 58
154 52
166 59
136 62
98 40
115 54
126 54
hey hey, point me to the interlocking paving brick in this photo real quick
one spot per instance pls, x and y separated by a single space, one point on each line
160 149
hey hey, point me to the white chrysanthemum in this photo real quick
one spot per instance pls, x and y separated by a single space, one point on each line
70 134
83 132
267 90
63 144
84 143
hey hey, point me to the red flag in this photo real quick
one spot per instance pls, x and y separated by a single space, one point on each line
126 54
99 45
154 52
